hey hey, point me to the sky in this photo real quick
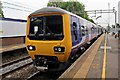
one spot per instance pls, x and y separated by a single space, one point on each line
12 10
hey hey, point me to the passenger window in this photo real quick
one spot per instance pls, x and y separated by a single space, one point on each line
75 30
83 31
92 30
79 30
86 31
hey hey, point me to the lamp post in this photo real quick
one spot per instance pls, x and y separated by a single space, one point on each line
115 12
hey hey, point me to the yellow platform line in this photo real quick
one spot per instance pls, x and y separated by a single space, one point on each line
83 71
104 62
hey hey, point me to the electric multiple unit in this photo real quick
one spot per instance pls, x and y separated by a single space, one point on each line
55 36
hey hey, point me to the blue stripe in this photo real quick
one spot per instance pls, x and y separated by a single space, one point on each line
10 19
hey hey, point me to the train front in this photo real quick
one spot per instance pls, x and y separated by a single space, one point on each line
48 39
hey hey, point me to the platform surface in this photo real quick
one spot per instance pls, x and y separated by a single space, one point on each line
11 47
99 62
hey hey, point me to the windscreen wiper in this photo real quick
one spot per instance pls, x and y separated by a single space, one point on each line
51 33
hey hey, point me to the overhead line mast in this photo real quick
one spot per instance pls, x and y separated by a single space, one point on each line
104 11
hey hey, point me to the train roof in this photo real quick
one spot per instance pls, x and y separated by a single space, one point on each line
53 9
56 9
50 9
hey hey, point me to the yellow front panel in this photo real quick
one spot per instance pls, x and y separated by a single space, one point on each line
46 48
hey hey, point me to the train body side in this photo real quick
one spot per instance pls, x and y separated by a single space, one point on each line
82 33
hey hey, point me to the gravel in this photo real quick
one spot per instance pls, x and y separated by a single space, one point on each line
13 55
22 73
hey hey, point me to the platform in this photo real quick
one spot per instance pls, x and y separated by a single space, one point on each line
99 62
11 47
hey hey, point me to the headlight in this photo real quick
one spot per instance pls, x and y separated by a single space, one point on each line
59 49
31 47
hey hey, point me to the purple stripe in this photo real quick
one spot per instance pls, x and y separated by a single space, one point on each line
10 19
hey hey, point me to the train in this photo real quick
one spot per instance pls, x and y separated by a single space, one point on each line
54 37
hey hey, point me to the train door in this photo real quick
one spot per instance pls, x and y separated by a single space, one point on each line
74 30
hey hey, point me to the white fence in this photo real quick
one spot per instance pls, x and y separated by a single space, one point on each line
12 27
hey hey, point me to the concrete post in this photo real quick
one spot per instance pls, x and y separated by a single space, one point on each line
119 12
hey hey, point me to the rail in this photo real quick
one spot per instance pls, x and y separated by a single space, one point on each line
16 64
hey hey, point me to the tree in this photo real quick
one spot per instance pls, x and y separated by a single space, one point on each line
1 12
71 6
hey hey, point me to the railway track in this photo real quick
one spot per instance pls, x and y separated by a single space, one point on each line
14 65
13 55
44 75
33 75
14 61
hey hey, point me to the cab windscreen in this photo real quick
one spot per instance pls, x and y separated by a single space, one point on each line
46 28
